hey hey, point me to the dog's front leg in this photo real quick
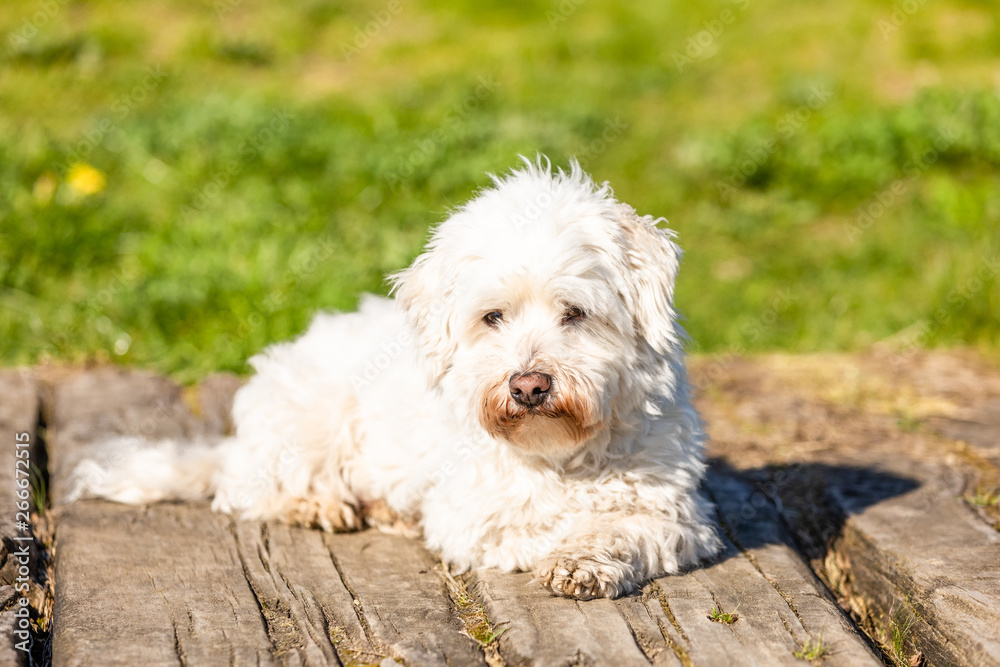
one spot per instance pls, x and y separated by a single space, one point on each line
615 554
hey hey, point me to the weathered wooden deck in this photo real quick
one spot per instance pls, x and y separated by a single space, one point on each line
839 483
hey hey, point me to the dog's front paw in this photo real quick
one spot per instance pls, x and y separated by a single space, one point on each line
330 515
581 577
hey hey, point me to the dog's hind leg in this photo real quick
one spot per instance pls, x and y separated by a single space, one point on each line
295 432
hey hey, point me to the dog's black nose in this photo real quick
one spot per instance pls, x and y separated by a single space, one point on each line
530 389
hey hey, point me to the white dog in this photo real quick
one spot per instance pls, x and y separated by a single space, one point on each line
524 398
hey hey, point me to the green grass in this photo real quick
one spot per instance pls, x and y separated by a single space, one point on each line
983 498
39 489
183 183
813 650
724 617
901 626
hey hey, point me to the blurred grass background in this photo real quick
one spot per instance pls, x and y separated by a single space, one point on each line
183 182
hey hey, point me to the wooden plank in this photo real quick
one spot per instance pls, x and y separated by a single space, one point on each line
292 574
403 601
9 654
18 415
652 629
925 561
176 582
207 589
153 587
909 556
214 401
685 605
980 430
778 601
158 585
754 523
549 630
91 406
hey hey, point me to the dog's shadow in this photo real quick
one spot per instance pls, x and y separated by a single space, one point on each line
806 504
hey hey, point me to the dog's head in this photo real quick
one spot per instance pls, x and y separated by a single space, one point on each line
543 309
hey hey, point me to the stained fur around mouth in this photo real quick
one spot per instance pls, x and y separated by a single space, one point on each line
534 411
503 417
545 409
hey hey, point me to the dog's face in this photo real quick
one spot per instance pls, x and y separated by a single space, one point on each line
543 310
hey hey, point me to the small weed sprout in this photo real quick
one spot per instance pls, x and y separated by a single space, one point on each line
983 498
907 423
493 637
900 627
812 650
477 625
39 491
725 617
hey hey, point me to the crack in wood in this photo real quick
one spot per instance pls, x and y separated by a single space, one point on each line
356 604
680 651
301 600
178 648
265 540
471 613
788 628
647 651
753 562
662 597
279 624
873 606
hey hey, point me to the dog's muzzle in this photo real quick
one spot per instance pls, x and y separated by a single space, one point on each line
530 389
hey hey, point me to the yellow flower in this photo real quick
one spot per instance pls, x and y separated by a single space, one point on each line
85 179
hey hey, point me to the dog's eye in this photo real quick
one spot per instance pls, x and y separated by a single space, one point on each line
493 319
573 314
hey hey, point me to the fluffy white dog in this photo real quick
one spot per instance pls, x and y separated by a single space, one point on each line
524 399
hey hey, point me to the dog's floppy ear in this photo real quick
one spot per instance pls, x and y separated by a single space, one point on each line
653 259
426 292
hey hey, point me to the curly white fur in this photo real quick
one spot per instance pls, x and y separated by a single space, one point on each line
407 402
